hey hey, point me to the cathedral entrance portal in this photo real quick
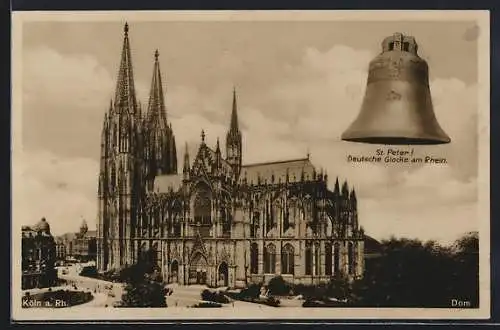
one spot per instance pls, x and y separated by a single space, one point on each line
198 269
223 279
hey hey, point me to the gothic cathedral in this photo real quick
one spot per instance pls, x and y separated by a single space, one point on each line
220 222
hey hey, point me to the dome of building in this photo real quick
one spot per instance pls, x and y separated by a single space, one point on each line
84 228
43 226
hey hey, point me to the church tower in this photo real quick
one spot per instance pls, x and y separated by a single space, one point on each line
161 154
234 141
120 177
186 167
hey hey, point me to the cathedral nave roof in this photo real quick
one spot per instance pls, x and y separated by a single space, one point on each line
265 171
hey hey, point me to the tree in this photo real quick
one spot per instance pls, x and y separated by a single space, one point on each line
146 294
144 286
408 274
465 278
339 288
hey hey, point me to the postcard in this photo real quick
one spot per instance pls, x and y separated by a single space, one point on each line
250 165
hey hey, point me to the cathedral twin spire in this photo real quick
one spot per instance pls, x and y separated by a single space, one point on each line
149 139
158 140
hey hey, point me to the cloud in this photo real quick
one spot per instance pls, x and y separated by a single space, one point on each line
65 97
47 73
61 189
432 222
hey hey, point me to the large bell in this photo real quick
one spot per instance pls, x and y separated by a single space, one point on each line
397 108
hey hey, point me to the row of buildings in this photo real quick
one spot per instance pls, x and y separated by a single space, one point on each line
217 220
81 245
41 251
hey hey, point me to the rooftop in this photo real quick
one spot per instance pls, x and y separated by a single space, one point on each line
278 170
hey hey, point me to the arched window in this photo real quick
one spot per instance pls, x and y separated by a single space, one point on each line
329 228
155 255
174 271
113 177
336 258
226 221
203 207
309 258
143 253
269 216
254 258
287 259
352 259
176 223
286 219
328 259
255 224
273 212
317 261
270 259
115 135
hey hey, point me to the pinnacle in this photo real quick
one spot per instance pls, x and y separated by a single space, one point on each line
234 113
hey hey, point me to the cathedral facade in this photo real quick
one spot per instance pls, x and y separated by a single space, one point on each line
217 221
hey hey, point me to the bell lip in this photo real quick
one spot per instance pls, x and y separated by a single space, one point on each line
397 140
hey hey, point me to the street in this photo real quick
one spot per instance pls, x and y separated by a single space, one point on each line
105 293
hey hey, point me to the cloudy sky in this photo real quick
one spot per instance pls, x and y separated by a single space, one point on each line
299 84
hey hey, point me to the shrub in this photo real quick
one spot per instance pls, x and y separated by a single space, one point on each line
277 286
310 291
207 304
338 288
252 292
207 295
217 297
272 301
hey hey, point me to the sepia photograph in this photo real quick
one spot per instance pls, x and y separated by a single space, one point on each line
250 165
